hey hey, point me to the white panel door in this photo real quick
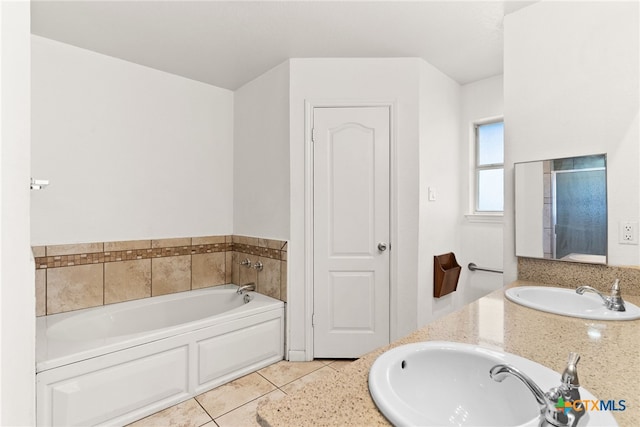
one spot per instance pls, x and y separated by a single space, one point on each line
351 229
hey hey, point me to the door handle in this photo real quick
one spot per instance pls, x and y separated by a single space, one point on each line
382 246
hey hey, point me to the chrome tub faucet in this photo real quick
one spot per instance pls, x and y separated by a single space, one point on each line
613 302
246 288
559 407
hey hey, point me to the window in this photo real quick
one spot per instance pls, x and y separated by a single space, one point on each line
489 167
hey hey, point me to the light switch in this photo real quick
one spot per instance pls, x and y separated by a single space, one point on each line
432 194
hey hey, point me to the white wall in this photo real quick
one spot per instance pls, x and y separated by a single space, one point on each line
131 152
529 209
399 82
386 80
440 170
482 237
261 156
17 295
571 88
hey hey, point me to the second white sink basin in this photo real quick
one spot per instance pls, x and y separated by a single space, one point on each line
438 383
567 302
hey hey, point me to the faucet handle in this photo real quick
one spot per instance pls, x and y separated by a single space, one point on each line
570 373
615 288
616 303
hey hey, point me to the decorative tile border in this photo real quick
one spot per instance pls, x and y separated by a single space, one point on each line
258 251
130 255
76 276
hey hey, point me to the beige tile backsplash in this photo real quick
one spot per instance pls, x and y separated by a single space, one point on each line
72 288
82 248
171 243
127 280
76 276
208 270
573 274
127 246
170 275
269 277
41 292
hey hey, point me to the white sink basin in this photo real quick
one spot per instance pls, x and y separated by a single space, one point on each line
439 383
567 302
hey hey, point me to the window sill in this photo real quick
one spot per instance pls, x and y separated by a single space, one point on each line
497 218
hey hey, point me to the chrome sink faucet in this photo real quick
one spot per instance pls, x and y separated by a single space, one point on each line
246 288
613 302
559 407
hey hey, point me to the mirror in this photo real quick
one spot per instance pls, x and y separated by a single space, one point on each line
561 209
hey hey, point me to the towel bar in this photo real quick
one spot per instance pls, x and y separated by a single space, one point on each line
473 267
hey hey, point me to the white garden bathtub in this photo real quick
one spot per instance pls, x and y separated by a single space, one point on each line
118 363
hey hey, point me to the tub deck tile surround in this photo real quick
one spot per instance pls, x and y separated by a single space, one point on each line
41 292
170 275
210 240
81 248
171 243
143 268
126 255
39 251
208 270
74 288
283 281
228 267
609 365
128 245
127 280
268 279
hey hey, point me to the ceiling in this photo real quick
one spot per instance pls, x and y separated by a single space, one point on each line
228 43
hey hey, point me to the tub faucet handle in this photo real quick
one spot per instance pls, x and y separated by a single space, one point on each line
246 262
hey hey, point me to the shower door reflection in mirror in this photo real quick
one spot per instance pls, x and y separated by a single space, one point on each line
561 209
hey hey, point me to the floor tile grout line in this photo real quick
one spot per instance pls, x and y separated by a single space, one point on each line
203 408
269 381
292 381
279 388
245 404
237 407
210 421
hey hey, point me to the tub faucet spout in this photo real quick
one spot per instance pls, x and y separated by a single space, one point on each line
246 288
613 302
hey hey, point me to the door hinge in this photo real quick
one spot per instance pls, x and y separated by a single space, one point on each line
313 320
313 135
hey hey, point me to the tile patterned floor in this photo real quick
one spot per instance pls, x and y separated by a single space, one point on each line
234 404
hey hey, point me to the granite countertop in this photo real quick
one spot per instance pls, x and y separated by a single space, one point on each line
609 365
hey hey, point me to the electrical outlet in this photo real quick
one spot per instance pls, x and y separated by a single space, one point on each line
628 234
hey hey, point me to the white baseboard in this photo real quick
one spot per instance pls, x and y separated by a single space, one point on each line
298 356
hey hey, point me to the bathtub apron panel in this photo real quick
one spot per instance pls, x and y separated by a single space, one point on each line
122 386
